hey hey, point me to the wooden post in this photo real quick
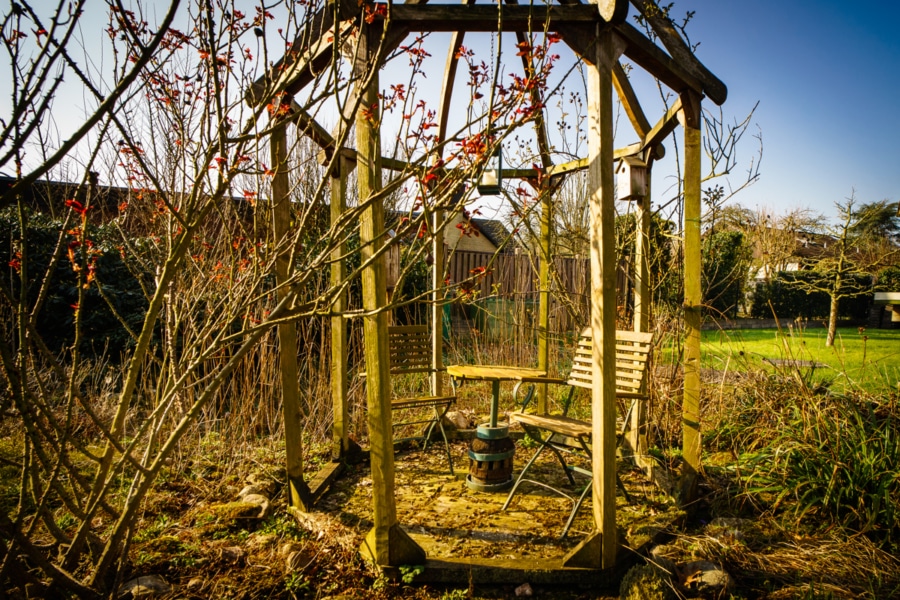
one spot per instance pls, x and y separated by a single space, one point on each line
437 308
339 378
693 299
298 491
544 295
600 548
386 543
636 440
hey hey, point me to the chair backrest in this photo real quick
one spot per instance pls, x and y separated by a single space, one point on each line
410 348
632 354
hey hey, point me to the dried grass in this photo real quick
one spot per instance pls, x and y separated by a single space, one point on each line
778 564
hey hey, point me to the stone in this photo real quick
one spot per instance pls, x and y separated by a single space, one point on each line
144 586
456 419
232 554
524 590
266 484
730 522
258 500
728 529
288 547
253 488
300 560
704 577
666 565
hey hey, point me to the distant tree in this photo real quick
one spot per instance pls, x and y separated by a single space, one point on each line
726 259
888 279
665 280
876 232
838 269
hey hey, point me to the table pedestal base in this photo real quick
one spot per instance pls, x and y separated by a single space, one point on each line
491 460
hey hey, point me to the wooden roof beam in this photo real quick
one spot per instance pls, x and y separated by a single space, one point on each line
656 62
630 101
666 125
486 17
712 86
310 52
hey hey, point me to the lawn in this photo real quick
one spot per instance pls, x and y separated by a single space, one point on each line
867 358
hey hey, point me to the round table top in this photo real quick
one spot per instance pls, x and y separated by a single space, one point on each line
493 372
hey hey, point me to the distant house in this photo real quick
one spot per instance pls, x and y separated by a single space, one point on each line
798 250
465 233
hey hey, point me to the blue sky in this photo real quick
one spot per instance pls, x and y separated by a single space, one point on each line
827 77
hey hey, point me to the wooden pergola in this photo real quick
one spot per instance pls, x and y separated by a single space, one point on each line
599 35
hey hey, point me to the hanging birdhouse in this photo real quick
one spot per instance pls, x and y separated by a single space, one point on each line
631 179
492 176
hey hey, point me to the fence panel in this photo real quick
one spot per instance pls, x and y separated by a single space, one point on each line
512 280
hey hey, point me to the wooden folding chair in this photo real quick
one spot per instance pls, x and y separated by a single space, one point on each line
562 434
410 352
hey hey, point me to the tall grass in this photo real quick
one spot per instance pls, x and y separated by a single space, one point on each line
834 461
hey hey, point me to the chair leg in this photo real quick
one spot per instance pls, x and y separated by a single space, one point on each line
521 478
576 508
429 429
563 462
440 421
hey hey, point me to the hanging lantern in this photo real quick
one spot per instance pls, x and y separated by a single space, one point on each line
492 176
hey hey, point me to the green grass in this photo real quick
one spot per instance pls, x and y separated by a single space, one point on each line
868 360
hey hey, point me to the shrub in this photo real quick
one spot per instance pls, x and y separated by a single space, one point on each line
726 259
121 283
789 301
835 458
888 280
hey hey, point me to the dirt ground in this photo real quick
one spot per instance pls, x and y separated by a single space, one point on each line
450 520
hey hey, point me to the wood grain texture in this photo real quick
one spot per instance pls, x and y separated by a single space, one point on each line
655 61
340 381
630 101
693 299
298 491
712 86
636 437
487 17
601 187
374 292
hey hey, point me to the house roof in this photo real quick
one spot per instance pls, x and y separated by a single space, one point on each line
493 230
496 232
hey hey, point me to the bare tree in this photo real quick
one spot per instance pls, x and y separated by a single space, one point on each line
195 220
844 269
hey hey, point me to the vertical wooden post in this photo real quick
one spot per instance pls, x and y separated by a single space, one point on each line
690 117
339 378
600 548
636 439
298 491
544 294
386 543
437 308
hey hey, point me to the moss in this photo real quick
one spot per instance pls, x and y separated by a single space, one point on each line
646 582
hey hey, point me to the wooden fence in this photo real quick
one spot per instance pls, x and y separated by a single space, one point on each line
499 292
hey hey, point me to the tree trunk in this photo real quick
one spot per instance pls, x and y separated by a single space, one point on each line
832 321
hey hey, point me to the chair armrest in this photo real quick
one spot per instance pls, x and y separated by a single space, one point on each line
555 380
532 382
